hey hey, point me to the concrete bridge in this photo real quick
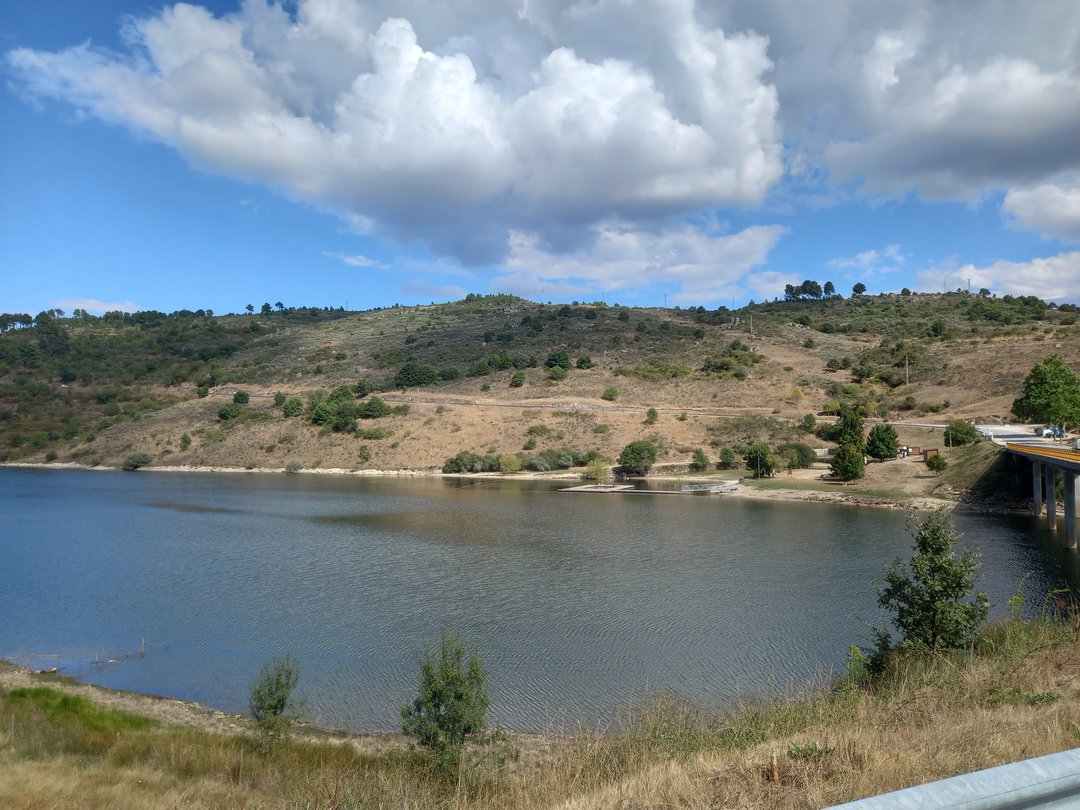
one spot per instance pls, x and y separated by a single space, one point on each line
1046 463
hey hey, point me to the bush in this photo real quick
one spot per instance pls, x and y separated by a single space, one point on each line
241 397
961 432
415 374
229 411
797 455
293 467
185 442
136 460
518 379
728 458
202 391
700 462
560 358
937 463
651 416
451 705
294 406
610 394
374 408
584 361
638 457
270 699
279 399
557 373
928 597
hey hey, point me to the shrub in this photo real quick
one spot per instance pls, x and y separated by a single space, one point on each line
610 394
294 406
651 416
415 374
518 379
202 391
229 411
136 460
363 455
584 361
451 705
937 463
700 462
961 432
185 442
241 397
293 467
560 358
929 597
638 457
598 470
270 699
279 399
557 373
374 408
728 458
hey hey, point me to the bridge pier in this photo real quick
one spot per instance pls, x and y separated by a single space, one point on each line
1045 463
1070 508
1036 488
1050 494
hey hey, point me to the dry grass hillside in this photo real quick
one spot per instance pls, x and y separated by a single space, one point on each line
94 392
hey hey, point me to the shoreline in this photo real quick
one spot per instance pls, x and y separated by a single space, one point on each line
809 496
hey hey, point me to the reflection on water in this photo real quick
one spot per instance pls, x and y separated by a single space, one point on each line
578 603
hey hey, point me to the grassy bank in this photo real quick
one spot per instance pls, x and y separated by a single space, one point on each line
1017 695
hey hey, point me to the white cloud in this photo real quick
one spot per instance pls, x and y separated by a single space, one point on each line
95 306
1051 208
356 260
704 267
886 260
1054 278
450 124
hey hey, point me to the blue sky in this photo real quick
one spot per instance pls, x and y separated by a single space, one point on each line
333 153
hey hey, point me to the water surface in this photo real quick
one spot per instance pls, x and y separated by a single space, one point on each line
578 603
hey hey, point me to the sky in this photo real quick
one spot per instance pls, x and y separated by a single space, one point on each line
642 152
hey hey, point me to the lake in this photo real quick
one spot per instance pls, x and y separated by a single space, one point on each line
578 603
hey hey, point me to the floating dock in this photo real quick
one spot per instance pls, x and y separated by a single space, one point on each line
629 489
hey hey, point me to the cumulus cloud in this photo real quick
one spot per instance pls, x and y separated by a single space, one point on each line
1050 208
1054 278
703 267
446 124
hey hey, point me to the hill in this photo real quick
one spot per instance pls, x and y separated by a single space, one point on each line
499 376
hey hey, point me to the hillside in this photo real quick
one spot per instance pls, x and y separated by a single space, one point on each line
475 375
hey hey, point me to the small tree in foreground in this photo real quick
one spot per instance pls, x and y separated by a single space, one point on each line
937 463
759 460
931 596
270 699
451 706
701 461
847 463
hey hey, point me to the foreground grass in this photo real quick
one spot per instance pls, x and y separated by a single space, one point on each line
1016 696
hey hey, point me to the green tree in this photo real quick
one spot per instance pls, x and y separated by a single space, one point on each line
960 432
241 397
451 705
228 411
415 374
759 460
560 358
584 361
136 460
638 457
1051 393
829 290
858 289
728 458
279 399
849 428
518 379
265 309
937 463
651 416
883 442
270 699
847 463
599 470
700 462
931 597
